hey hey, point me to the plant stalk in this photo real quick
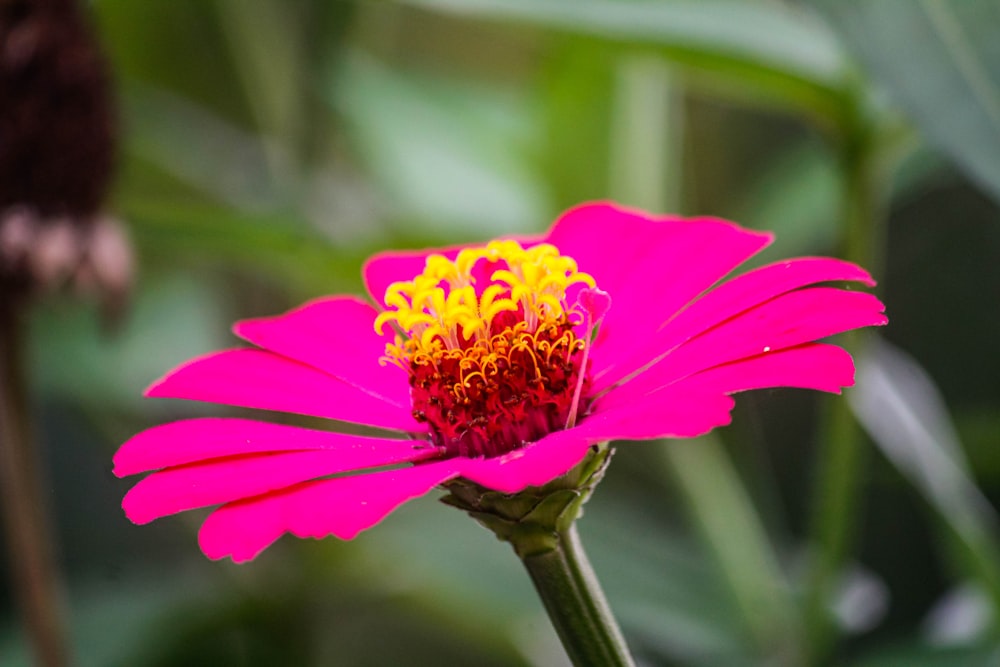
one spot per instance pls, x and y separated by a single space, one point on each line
27 531
576 604
842 457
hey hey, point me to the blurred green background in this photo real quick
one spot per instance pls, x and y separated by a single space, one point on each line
269 146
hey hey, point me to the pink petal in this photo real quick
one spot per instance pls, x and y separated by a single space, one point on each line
343 506
604 238
263 380
224 480
698 403
810 366
335 335
652 267
673 412
534 465
193 440
786 321
725 301
676 271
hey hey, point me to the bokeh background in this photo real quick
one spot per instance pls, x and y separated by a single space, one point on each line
269 146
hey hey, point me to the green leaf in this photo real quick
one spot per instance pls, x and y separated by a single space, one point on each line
280 244
940 62
768 49
170 320
666 594
229 164
576 95
268 57
448 154
108 624
902 410
723 513
794 196
931 656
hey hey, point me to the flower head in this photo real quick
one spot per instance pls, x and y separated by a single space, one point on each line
488 341
501 365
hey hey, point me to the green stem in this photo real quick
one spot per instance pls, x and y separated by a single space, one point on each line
843 458
576 605
842 465
31 562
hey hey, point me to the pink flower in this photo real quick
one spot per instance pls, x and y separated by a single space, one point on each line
500 364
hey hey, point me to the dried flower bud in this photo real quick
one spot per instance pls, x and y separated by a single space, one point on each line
56 121
57 146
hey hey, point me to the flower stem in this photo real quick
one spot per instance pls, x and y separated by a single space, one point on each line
836 509
540 524
576 605
843 456
27 530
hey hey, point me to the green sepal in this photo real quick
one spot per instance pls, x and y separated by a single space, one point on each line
532 520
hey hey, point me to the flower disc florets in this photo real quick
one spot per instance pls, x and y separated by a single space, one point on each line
490 345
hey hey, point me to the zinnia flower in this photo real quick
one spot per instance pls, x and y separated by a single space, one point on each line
501 365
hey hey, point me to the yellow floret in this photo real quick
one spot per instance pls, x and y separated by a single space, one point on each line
439 308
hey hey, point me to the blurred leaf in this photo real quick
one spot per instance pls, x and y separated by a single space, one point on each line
722 512
940 61
109 623
667 596
668 600
576 95
899 406
230 164
450 155
931 656
281 51
269 59
174 45
795 197
235 185
978 427
775 50
646 135
280 244
171 320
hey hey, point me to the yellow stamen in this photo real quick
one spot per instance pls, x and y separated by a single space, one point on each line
441 310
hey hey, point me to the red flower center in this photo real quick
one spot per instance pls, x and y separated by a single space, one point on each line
496 359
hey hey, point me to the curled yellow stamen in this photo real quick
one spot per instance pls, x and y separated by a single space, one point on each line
442 309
